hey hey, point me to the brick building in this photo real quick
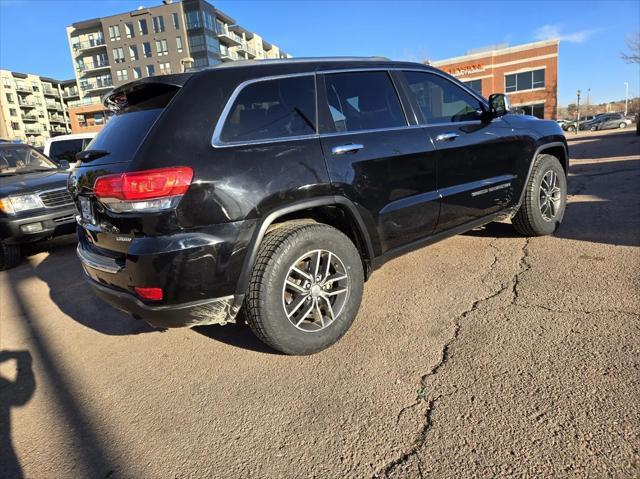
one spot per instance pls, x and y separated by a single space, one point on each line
527 73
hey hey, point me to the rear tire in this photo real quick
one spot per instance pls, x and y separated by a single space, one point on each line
305 288
9 256
545 199
571 128
623 125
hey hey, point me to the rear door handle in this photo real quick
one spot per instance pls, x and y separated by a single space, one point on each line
447 136
350 148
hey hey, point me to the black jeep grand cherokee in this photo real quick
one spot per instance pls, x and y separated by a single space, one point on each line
279 186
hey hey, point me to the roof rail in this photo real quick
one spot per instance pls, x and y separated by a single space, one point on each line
238 63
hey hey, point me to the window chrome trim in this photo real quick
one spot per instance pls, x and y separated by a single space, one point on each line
217 143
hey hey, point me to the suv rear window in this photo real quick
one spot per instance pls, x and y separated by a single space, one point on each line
125 131
65 150
363 101
272 109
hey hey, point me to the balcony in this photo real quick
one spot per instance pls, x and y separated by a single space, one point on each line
59 129
228 37
54 106
27 104
29 118
70 93
96 86
50 92
244 47
227 55
56 119
93 67
23 89
82 47
32 131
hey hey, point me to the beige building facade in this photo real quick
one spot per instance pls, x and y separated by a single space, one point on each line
33 108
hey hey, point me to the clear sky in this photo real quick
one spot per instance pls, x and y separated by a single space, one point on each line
592 33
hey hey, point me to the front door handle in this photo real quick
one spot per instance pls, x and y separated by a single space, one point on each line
447 136
350 148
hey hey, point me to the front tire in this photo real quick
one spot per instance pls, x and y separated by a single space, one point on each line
623 125
9 256
545 198
305 289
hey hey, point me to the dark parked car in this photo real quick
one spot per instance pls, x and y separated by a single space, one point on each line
34 201
279 186
606 121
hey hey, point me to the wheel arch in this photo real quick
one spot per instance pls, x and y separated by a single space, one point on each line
335 211
557 149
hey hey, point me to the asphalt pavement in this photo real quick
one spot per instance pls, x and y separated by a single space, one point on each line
488 354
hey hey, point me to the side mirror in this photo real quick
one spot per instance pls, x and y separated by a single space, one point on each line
63 164
499 104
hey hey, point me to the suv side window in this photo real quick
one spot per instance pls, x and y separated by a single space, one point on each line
272 109
362 101
440 100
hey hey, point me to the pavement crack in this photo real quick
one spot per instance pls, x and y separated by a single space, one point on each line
523 304
523 267
444 357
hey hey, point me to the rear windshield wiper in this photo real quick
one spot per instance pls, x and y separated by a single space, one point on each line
90 155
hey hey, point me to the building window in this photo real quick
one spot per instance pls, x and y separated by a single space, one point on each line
524 81
15 125
475 85
193 19
220 26
133 52
151 70
122 75
161 47
196 43
128 28
209 21
137 72
176 20
114 32
118 55
536 110
6 82
142 26
146 48
158 24
13 112
9 97
179 44
165 68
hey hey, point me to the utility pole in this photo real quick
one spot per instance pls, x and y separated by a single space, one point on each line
578 113
626 97
588 102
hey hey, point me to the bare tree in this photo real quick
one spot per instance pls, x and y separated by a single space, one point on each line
633 42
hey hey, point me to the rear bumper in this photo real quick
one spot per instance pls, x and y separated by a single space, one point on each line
212 311
52 223
197 271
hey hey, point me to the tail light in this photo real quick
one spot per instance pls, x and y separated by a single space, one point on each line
150 294
145 191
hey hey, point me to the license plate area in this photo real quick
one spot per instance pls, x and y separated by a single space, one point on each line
86 210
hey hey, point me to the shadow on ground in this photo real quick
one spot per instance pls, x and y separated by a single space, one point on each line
62 273
13 393
591 220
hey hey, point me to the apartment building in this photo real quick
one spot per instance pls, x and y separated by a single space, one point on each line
168 38
527 73
33 108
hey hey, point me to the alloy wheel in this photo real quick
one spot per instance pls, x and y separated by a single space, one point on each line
550 196
315 290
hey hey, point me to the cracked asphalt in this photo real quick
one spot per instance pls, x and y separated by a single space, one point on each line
484 355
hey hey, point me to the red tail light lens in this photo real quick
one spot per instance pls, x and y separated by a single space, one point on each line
150 294
144 185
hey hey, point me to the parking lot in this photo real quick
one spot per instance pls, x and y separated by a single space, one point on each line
487 354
